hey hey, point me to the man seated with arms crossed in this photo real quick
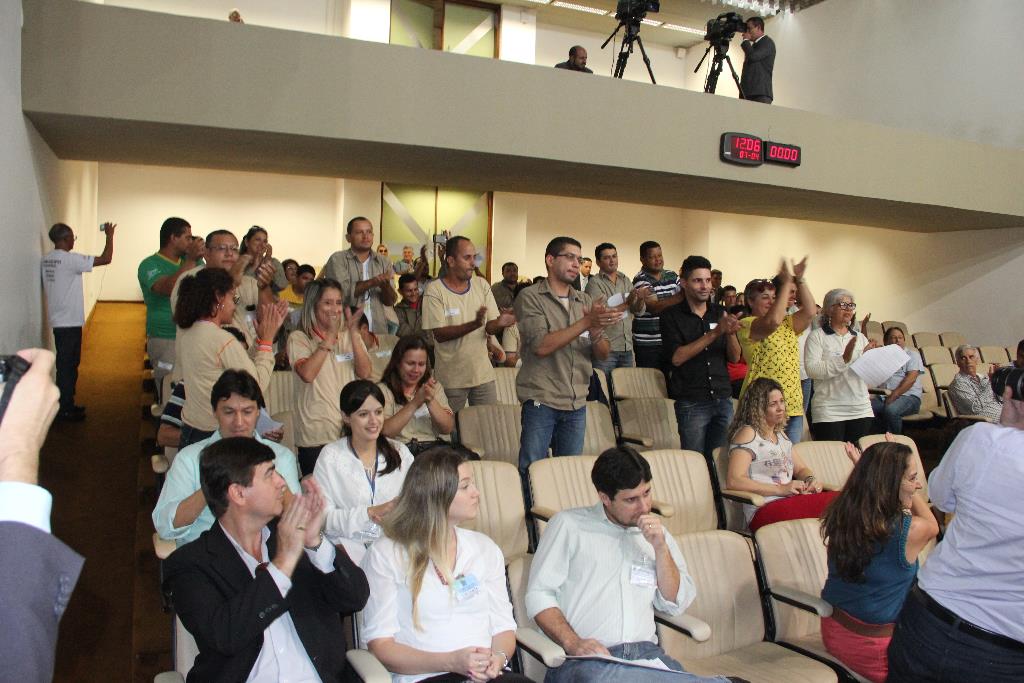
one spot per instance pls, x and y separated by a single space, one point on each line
970 392
261 591
181 513
601 571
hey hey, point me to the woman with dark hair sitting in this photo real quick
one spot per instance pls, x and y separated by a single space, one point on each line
874 531
362 472
206 301
416 411
762 461
439 609
326 353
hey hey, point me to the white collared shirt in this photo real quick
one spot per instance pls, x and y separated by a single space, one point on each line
283 657
583 567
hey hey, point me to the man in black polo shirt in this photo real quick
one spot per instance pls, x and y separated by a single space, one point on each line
698 336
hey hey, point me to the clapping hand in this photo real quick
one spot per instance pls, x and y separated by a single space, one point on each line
853 453
507 318
270 319
352 319
728 324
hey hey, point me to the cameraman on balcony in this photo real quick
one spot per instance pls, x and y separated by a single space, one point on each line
759 50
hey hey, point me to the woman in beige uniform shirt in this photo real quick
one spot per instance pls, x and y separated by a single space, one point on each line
416 410
326 353
206 301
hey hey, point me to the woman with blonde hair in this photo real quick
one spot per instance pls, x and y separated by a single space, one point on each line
874 529
439 609
762 461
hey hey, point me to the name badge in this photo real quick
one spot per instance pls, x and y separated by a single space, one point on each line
164 365
383 354
452 312
585 334
712 326
641 573
466 587
341 357
370 534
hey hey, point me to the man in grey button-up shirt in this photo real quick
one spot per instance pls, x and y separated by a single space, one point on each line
366 277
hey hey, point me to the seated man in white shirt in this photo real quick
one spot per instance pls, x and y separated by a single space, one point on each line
261 591
599 574
181 513
970 392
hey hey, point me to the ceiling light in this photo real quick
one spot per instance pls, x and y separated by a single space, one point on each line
579 8
684 29
650 22
540 2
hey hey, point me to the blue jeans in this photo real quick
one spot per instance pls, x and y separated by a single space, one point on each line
889 418
807 388
925 648
703 424
597 671
544 427
795 428
615 359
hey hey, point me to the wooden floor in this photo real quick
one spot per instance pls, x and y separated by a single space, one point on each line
103 490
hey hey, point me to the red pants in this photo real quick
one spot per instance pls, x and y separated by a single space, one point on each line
800 506
865 655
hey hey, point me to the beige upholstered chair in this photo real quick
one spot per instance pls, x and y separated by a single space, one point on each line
886 324
538 651
505 379
602 379
492 431
929 401
638 383
872 439
280 395
681 479
923 339
930 355
732 500
728 620
600 433
994 355
367 667
654 418
501 516
874 327
828 461
952 339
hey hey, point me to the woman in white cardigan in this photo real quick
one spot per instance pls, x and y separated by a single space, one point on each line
840 407
361 473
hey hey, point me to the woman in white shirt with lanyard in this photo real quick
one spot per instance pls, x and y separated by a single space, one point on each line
362 472
438 608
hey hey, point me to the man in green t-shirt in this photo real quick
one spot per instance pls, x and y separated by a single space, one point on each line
179 252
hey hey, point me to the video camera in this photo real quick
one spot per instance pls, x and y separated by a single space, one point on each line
633 11
721 29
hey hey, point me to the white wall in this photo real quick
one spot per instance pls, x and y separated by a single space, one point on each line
298 15
518 40
553 43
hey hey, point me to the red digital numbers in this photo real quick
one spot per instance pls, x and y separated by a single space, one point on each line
747 148
783 154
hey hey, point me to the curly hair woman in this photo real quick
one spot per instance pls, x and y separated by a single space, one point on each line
874 530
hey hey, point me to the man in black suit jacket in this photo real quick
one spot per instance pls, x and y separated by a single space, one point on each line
243 584
758 64
37 571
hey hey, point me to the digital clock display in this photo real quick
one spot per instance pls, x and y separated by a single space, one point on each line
743 149
781 153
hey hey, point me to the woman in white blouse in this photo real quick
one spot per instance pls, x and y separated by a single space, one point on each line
840 406
438 608
362 472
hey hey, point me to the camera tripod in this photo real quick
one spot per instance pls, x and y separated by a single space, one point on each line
632 35
721 55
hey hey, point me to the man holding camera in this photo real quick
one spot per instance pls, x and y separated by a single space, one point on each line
962 620
758 63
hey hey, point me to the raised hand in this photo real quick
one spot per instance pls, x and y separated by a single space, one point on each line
31 410
853 453
848 352
429 390
352 319
481 315
728 324
195 249
784 275
507 318
650 527
864 324
291 534
800 268
317 510
270 319
109 228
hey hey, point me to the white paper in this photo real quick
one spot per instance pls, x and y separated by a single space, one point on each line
266 423
616 299
878 365
655 664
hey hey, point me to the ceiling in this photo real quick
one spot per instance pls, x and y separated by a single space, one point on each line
692 14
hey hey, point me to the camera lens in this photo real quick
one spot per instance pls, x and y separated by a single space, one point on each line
1009 376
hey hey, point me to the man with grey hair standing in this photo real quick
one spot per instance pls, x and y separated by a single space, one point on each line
62 282
970 392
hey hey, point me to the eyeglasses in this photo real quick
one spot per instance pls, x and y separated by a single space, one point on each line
847 306
226 248
571 257
760 285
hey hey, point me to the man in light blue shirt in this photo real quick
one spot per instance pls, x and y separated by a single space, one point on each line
599 574
181 514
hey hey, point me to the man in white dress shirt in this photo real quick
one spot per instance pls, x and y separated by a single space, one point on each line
599 574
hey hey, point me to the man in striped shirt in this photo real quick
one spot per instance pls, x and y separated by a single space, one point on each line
665 292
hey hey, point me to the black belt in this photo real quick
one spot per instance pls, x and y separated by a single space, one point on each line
965 626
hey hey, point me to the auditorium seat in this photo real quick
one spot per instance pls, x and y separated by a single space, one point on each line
538 652
995 355
728 618
923 339
1011 352
794 563
952 340
501 516
873 327
942 375
935 354
872 439
505 380
491 431
185 651
828 461
654 418
930 408
732 500
367 667
887 324
600 432
638 383
681 479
